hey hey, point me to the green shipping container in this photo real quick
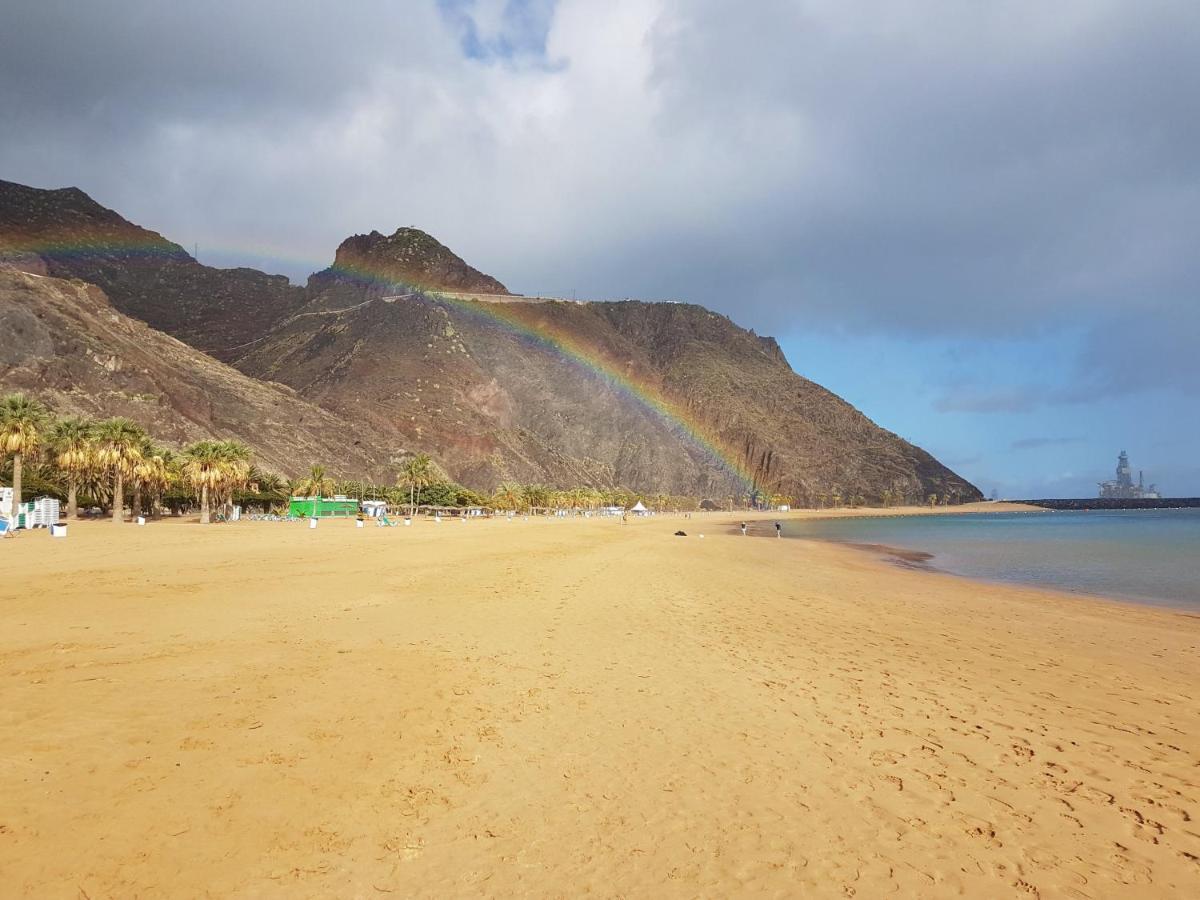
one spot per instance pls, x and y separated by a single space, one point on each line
325 507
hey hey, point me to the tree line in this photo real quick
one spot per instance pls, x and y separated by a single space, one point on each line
104 463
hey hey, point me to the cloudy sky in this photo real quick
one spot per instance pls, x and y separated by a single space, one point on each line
979 222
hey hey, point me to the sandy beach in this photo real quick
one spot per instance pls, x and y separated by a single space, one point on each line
551 708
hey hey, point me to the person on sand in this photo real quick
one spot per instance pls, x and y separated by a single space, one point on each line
743 529
778 530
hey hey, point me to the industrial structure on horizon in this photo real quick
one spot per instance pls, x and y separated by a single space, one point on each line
1123 488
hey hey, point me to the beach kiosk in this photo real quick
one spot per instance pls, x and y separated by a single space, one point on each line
323 507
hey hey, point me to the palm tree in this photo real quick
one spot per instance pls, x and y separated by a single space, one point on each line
136 483
204 469
352 488
74 446
269 485
537 495
152 473
217 469
22 423
316 484
119 446
416 472
509 496
236 467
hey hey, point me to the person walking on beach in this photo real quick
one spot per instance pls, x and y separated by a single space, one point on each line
743 529
778 530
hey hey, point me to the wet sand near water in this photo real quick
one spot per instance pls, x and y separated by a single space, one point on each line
548 708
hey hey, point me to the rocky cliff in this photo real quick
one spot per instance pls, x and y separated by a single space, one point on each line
654 396
63 342
411 257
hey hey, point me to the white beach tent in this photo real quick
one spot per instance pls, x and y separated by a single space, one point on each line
639 509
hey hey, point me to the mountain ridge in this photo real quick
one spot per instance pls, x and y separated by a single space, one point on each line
654 396
75 352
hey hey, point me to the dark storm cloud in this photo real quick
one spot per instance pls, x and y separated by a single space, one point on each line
1152 344
923 168
976 172
142 61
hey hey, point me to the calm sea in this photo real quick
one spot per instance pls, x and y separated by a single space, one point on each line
1151 556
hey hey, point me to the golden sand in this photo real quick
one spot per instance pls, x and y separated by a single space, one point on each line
551 708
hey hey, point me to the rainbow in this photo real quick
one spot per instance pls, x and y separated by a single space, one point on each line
85 248
638 390
148 248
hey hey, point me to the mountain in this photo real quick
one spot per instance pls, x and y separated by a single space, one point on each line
143 274
394 343
64 343
412 257
664 396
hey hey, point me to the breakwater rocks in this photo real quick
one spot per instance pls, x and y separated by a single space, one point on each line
1118 503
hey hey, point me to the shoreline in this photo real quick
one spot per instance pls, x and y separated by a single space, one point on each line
545 707
921 561
918 559
881 512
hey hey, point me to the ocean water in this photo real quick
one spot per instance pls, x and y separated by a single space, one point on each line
1150 556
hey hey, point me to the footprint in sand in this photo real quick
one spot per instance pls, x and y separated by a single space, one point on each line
886 757
1026 887
1022 752
1143 828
